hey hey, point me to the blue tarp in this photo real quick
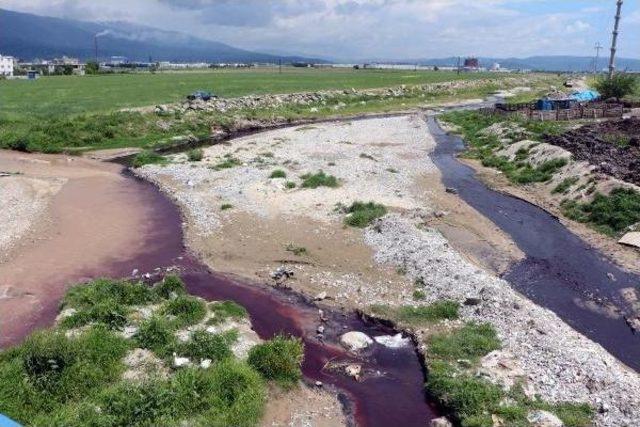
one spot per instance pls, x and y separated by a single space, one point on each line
7 422
544 105
585 95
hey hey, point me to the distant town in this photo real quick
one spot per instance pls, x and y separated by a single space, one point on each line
15 68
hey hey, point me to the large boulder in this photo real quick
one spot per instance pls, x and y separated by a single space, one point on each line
440 422
355 340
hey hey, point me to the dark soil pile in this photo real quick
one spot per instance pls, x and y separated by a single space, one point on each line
614 147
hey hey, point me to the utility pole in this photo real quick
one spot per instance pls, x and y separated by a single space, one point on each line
614 40
458 65
598 48
280 66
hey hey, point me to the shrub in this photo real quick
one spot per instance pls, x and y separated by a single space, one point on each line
226 206
156 334
278 173
108 312
361 214
469 342
289 185
205 345
187 310
319 179
148 158
564 186
46 356
279 359
170 285
103 290
296 250
226 310
618 86
419 295
610 214
228 163
195 155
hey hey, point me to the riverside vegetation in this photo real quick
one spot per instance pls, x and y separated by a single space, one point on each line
453 357
610 214
83 371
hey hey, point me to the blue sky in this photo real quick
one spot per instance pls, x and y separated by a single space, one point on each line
368 29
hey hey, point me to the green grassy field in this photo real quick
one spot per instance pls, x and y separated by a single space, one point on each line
68 95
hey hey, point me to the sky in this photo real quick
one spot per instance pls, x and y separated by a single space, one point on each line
374 29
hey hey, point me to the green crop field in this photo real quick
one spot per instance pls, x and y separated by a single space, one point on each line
68 95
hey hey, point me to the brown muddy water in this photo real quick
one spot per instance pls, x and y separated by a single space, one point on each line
392 389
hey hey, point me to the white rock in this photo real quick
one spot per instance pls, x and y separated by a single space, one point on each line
179 362
205 363
392 341
543 419
321 296
440 422
355 340
353 371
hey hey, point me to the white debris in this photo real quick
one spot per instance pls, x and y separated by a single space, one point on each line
392 341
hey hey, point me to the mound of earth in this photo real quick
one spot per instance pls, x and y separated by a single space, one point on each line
614 147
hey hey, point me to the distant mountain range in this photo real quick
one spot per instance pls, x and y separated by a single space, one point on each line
28 36
542 63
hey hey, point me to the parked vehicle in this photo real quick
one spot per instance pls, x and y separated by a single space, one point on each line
200 94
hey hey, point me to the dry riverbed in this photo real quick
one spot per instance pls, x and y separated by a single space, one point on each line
240 220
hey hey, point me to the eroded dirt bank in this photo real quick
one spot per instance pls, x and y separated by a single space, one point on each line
242 221
78 227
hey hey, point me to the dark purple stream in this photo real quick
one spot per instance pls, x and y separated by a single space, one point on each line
392 391
560 272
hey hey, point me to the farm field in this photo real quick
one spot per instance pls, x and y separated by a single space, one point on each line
65 95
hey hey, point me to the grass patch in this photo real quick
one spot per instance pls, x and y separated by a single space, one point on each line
319 179
156 334
171 285
565 185
195 155
148 158
279 359
228 163
226 310
278 173
419 295
226 206
296 250
289 185
361 214
204 345
421 315
472 341
186 309
611 214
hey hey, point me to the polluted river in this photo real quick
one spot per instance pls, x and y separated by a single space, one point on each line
558 270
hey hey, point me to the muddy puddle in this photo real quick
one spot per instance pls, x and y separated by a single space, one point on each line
560 272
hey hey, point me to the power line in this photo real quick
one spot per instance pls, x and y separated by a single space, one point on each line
598 47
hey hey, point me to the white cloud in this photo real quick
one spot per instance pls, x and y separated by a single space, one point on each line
370 28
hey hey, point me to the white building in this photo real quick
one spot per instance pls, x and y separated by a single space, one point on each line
6 66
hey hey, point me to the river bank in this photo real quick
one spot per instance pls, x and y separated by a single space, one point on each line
232 221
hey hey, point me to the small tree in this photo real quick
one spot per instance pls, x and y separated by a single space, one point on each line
618 86
92 67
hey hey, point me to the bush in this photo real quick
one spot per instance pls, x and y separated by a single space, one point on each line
472 341
188 310
618 86
279 359
156 334
46 356
319 179
102 290
361 214
289 185
195 155
278 173
610 214
228 163
148 157
226 310
107 312
205 345
170 285
226 206
296 250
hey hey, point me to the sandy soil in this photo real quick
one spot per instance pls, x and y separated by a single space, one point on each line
383 160
69 202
